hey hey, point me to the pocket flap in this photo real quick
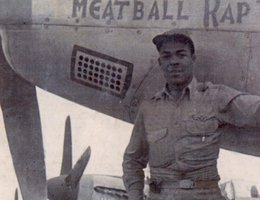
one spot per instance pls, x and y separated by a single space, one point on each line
156 135
197 126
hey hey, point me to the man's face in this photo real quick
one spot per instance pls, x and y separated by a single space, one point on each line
176 62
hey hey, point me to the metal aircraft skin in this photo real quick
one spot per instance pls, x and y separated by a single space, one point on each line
99 54
239 190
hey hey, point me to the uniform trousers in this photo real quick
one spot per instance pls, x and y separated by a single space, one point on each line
187 194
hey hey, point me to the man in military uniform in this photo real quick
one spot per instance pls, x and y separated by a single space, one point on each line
178 130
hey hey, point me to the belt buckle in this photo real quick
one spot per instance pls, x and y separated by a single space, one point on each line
186 184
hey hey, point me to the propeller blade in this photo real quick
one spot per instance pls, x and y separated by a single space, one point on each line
23 128
16 194
67 149
75 174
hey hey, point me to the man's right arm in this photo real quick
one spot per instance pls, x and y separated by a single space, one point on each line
135 160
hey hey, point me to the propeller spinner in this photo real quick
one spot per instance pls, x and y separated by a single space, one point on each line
66 186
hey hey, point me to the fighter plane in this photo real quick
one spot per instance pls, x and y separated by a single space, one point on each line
99 54
73 185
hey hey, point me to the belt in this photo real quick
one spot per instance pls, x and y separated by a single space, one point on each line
189 184
156 186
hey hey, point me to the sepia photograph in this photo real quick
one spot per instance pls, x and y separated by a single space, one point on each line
130 99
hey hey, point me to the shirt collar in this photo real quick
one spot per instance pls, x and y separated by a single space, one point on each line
188 90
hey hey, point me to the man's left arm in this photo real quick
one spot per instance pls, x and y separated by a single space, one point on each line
242 110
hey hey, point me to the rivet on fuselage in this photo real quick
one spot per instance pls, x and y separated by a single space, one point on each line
108 22
139 32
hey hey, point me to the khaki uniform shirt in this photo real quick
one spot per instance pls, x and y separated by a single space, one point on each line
180 139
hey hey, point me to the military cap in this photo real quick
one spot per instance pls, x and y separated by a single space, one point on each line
174 35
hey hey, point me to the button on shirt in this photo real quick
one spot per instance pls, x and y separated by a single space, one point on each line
180 139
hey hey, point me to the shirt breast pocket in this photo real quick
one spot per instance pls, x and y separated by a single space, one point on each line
156 135
201 125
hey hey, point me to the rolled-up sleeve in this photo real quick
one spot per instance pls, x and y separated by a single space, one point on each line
240 109
135 160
